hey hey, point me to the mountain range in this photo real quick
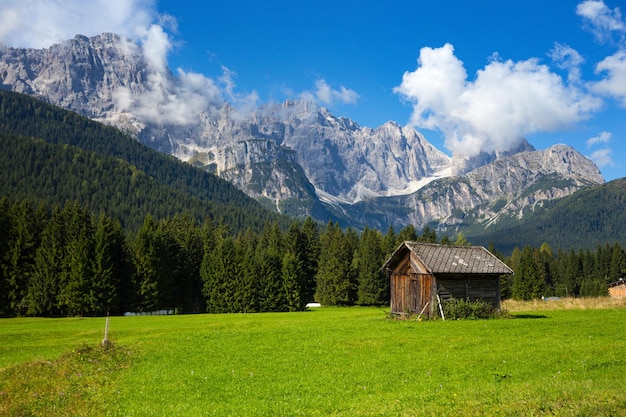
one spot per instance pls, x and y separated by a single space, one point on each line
294 157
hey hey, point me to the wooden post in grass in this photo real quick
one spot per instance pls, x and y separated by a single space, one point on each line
105 341
422 312
440 308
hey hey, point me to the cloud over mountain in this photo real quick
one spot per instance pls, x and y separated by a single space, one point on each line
492 112
41 23
327 95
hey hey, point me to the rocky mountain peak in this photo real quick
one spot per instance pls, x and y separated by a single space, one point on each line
462 164
290 155
82 74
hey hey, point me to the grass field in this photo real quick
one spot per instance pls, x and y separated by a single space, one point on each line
328 361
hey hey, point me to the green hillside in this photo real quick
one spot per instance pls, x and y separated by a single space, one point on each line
590 217
53 155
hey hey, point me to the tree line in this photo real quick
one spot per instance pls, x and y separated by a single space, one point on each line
68 261
543 272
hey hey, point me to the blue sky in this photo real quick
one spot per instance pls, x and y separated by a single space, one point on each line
469 75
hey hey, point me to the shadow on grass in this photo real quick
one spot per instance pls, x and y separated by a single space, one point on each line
529 316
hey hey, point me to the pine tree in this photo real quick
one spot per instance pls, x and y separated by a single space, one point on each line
390 242
373 285
220 271
105 287
545 259
428 236
5 227
460 240
146 258
334 276
562 284
50 267
112 276
210 280
23 240
186 274
528 281
589 265
574 272
310 257
170 265
294 274
407 234
250 285
269 259
618 263
293 282
230 276
604 255
76 294
593 288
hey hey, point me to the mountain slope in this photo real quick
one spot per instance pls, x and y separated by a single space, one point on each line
505 187
56 155
589 217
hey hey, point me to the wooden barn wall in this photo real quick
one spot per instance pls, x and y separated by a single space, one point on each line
426 294
469 287
400 293
410 293
400 286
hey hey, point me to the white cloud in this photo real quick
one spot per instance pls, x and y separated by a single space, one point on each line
602 157
328 96
603 137
601 20
614 82
506 101
245 103
168 99
41 23
568 59
156 45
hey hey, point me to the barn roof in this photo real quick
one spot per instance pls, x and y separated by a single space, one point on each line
449 259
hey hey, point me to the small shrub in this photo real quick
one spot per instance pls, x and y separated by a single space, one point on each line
457 309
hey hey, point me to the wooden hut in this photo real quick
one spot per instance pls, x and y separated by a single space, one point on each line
419 272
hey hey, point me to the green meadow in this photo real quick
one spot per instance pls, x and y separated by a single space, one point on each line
323 362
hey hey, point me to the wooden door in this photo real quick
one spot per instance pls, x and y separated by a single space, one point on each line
400 293
415 299
425 293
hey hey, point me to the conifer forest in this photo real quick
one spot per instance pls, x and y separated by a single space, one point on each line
68 261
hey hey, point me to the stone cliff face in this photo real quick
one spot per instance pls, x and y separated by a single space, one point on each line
506 186
294 154
349 162
83 74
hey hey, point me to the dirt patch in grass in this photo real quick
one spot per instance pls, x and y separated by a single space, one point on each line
80 382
